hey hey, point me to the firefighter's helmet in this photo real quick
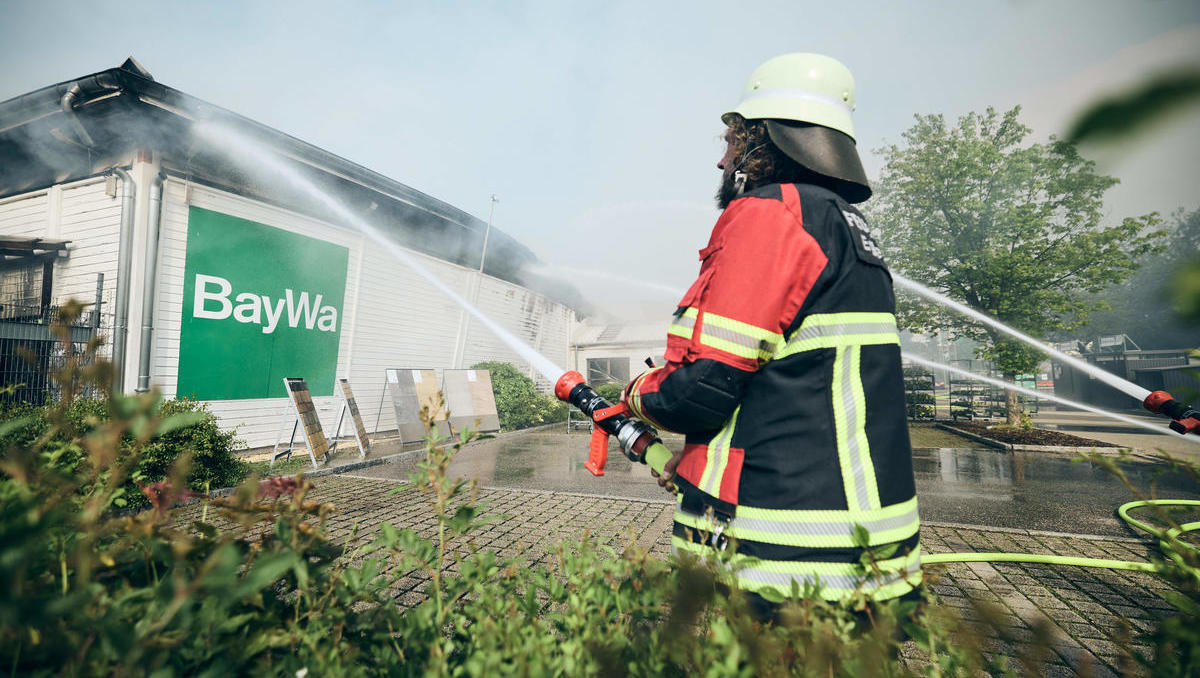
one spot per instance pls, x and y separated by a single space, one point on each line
806 100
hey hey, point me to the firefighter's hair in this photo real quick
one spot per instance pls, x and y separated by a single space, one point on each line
761 160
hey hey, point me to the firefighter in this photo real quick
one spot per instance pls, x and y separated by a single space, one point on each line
783 358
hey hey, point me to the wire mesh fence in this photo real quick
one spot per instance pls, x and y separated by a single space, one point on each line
30 351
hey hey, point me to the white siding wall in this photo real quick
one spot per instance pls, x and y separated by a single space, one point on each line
25 216
402 321
392 317
91 220
257 420
82 213
539 322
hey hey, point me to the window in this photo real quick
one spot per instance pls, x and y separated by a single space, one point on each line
607 370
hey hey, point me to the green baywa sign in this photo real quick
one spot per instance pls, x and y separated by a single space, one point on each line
259 304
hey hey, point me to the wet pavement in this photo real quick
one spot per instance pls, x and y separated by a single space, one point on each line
1074 620
545 460
1097 427
1016 490
1035 490
1078 621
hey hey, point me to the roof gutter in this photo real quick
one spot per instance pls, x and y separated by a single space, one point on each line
89 87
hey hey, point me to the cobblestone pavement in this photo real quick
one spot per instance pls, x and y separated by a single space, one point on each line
1086 615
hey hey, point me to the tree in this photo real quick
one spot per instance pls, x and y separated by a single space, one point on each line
1153 306
1010 228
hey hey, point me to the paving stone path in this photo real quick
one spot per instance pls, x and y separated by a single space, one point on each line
1086 616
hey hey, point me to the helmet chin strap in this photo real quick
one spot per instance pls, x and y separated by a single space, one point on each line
740 177
739 182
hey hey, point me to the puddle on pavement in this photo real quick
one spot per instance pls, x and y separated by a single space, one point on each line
1021 490
554 461
1033 490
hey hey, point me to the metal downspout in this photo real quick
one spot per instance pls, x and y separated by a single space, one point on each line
152 225
89 86
124 264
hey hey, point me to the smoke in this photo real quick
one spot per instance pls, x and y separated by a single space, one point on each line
248 153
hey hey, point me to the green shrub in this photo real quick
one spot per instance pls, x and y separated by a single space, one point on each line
611 391
255 586
214 462
517 401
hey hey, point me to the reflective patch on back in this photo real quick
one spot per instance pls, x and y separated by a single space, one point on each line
864 244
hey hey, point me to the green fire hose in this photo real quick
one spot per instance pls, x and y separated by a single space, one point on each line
1122 511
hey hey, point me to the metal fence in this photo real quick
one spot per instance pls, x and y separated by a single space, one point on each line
30 352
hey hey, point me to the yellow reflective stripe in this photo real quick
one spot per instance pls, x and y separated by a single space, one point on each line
842 430
839 516
849 418
840 580
683 324
717 456
831 330
862 446
739 338
825 529
704 524
848 318
635 394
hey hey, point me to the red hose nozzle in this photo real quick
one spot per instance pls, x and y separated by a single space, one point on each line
1153 402
566 383
1185 419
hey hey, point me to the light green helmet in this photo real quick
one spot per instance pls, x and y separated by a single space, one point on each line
803 87
807 101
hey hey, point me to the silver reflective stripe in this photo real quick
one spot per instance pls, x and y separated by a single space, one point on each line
803 95
823 528
814 331
843 582
851 413
731 336
685 321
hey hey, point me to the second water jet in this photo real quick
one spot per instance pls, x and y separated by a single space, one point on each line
1045 396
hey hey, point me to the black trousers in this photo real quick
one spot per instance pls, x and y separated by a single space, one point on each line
766 611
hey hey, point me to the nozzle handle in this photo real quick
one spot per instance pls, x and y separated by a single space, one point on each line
634 435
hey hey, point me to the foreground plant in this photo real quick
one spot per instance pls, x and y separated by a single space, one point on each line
254 584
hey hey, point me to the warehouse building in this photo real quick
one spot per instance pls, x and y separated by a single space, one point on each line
616 352
211 278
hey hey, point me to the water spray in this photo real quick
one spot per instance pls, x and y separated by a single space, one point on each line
237 146
1059 399
1123 385
637 439
1185 418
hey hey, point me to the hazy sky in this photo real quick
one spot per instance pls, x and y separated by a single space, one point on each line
597 124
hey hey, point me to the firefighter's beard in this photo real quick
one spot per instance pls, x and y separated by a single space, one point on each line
728 191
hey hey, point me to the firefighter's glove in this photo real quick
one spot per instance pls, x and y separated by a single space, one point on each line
668 474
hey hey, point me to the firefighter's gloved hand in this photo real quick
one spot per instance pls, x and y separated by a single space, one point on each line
668 474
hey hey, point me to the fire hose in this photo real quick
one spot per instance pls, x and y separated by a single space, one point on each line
641 444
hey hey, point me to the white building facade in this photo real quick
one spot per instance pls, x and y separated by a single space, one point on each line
219 289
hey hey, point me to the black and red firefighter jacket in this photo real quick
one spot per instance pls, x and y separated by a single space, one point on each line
783 370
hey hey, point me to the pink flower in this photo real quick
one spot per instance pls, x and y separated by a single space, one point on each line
277 487
163 496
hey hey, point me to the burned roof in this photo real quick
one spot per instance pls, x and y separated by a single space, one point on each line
86 126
